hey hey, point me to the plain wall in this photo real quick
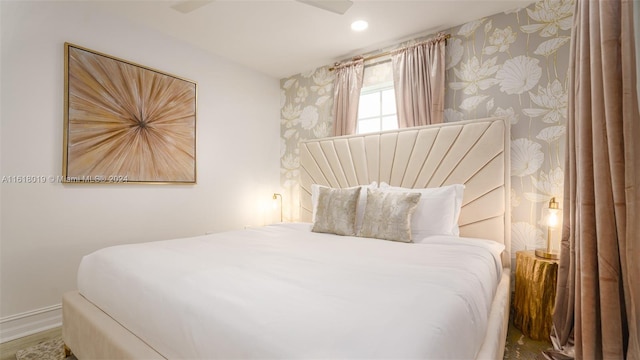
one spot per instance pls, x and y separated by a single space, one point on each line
46 228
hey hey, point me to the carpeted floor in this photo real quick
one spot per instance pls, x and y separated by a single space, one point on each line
47 350
518 347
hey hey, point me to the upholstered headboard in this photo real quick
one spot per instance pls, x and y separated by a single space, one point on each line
474 153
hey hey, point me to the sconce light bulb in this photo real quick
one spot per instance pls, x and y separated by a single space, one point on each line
275 203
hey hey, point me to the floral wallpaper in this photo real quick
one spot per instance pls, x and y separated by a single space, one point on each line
512 64
306 103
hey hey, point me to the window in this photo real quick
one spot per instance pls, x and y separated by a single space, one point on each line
377 109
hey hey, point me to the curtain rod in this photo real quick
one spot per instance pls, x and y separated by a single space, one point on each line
437 38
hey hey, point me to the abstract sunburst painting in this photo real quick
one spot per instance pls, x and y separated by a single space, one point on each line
125 122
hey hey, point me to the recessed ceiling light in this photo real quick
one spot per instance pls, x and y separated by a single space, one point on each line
359 25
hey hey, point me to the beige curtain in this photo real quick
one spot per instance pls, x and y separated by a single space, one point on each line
418 77
346 96
597 306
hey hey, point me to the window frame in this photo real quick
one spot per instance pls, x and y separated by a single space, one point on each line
379 89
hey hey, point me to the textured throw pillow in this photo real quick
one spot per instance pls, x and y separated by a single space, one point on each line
336 211
362 200
387 215
438 210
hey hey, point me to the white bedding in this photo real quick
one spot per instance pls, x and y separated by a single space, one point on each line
282 291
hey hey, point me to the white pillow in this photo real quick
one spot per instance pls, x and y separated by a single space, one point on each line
437 212
362 201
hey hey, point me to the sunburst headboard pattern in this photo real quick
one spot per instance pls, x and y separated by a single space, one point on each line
474 153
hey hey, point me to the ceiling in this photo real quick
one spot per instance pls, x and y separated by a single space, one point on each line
281 38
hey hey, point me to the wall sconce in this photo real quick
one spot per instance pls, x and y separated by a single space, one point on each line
553 219
275 198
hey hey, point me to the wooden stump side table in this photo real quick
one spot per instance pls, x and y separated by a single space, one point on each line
535 293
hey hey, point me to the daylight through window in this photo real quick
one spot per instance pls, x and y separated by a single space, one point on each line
377 109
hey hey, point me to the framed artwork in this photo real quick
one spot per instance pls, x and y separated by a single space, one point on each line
126 123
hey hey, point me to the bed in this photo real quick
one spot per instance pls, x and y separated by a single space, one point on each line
283 291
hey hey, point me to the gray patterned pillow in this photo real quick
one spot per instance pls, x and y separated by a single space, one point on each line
388 215
336 211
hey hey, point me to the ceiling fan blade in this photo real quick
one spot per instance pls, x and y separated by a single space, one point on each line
188 6
335 6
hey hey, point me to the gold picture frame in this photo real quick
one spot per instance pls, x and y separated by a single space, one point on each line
126 123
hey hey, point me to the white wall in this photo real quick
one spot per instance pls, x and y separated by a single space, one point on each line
47 228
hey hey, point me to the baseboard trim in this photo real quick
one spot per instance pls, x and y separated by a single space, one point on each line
30 322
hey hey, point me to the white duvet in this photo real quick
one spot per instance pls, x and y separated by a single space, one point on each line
284 292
